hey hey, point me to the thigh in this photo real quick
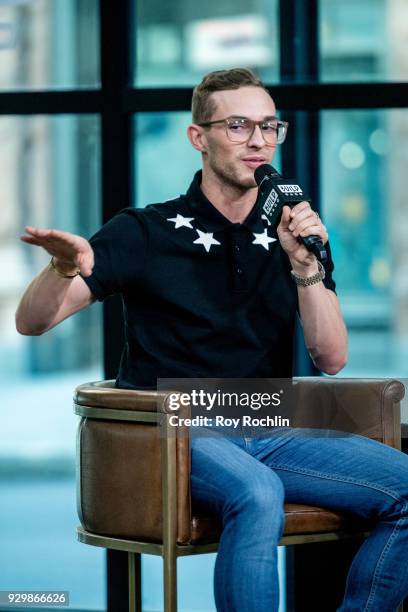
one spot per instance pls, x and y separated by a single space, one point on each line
335 470
224 473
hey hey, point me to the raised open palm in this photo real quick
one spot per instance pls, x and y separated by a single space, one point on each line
68 249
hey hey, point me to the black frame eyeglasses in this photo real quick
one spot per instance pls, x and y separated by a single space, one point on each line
241 129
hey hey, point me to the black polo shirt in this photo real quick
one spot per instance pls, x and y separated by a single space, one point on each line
202 297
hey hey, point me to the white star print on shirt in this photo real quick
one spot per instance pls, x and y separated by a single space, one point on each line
206 239
181 221
263 239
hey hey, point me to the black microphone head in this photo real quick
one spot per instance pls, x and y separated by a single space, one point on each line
263 171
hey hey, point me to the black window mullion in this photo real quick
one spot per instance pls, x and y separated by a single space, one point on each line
116 122
50 102
291 96
300 154
117 193
299 44
116 147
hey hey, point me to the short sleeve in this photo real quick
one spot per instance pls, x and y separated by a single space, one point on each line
120 251
328 281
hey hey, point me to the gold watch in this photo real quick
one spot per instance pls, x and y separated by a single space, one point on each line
52 266
306 281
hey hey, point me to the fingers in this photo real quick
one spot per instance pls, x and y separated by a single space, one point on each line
298 208
311 228
285 218
299 213
64 246
47 235
37 232
30 236
316 230
54 239
30 240
306 222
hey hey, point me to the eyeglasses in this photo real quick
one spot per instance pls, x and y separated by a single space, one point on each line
241 129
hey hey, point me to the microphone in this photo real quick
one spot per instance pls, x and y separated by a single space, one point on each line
274 193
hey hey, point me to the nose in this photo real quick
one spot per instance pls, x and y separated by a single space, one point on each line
256 139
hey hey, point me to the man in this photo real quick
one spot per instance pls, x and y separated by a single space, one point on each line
211 290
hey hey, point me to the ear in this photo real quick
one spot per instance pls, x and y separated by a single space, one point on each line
197 137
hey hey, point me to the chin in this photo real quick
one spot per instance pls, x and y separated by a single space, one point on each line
240 180
249 185
248 182
243 184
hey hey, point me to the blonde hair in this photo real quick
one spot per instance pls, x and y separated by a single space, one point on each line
203 106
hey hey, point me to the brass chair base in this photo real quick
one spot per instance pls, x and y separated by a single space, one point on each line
135 548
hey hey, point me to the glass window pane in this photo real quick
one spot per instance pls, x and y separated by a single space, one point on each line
165 159
365 210
49 44
178 42
363 40
50 178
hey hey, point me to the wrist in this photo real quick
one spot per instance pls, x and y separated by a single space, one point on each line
305 268
65 269
309 279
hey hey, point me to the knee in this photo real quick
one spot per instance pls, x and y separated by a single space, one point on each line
401 486
263 495
396 503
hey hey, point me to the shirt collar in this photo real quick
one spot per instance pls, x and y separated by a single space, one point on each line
210 217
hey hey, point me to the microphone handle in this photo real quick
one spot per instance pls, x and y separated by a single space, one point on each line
315 245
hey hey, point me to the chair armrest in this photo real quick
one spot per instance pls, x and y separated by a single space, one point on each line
124 461
368 407
104 394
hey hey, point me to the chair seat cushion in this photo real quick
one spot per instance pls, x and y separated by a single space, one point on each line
299 519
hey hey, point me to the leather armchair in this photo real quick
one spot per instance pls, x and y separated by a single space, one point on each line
134 471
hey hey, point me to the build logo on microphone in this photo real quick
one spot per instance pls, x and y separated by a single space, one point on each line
291 189
271 202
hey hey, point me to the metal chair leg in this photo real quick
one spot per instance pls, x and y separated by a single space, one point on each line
170 582
135 582
169 493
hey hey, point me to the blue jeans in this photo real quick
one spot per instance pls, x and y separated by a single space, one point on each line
245 480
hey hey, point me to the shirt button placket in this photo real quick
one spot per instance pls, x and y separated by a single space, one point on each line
238 268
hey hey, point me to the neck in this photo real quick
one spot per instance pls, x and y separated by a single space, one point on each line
231 201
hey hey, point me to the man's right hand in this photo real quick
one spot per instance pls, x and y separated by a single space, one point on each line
70 251
48 299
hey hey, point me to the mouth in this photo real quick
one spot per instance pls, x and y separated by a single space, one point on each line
253 161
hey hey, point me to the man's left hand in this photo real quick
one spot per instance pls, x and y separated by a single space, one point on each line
300 220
